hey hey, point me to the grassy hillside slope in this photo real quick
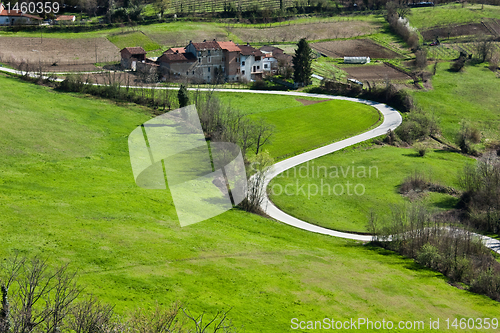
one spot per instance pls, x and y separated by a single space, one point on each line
67 192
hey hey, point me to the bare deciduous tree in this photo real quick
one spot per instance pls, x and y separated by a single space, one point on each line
484 49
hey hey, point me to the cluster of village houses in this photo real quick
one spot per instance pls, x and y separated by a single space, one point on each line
208 61
14 17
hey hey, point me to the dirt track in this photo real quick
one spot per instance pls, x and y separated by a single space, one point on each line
55 50
354 48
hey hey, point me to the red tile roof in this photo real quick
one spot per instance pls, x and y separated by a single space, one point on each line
176 50
16 13
135 50
207 46
229 46
65 18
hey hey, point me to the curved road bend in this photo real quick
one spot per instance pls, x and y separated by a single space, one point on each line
392 119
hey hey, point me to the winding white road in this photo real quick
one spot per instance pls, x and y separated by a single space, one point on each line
392 119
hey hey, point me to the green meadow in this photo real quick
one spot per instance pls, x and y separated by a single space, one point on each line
133 39
471 96
67 193
304 127
454 13
339 190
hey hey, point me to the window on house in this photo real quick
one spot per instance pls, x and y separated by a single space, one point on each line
242 63
209 59
242 72
258 67
187 73
265 65
209 69
208 52
257 58
199 60
193 72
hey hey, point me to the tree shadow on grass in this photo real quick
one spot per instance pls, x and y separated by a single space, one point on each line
395 259
447 203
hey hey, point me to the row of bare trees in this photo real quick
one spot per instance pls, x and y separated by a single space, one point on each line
396 16
223 123
441 244
481 196
37 297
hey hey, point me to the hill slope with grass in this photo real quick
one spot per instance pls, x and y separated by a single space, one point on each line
374 175
471 96
451 14
67 193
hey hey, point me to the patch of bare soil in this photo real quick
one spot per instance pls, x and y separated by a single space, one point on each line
310 31
354 48
455 31
63 52
375 73
308 102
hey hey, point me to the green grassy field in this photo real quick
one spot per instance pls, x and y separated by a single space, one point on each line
67 193
378 173
422 18
304 127
133 39
260 102
471 95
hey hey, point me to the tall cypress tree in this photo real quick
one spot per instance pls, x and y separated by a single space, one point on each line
302 63
183 96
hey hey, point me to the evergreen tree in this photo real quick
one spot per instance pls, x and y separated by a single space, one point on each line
302 63
183 96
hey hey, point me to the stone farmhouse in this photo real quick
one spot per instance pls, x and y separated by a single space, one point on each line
14 17
211 61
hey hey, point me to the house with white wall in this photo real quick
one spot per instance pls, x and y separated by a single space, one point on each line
8 16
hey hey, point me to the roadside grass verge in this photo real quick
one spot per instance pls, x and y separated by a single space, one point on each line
427 17
67 193
132 39
374 176
305 127
471 95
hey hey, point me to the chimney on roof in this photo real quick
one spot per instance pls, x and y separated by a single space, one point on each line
214 39
176 51
204 40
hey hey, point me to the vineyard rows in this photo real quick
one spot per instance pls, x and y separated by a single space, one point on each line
452 51
212 6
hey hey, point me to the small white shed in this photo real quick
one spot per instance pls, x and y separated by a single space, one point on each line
356 60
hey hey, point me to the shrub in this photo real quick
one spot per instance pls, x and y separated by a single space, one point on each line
467 136
410 130
421 149
415 182
457 65
429 256
390 137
